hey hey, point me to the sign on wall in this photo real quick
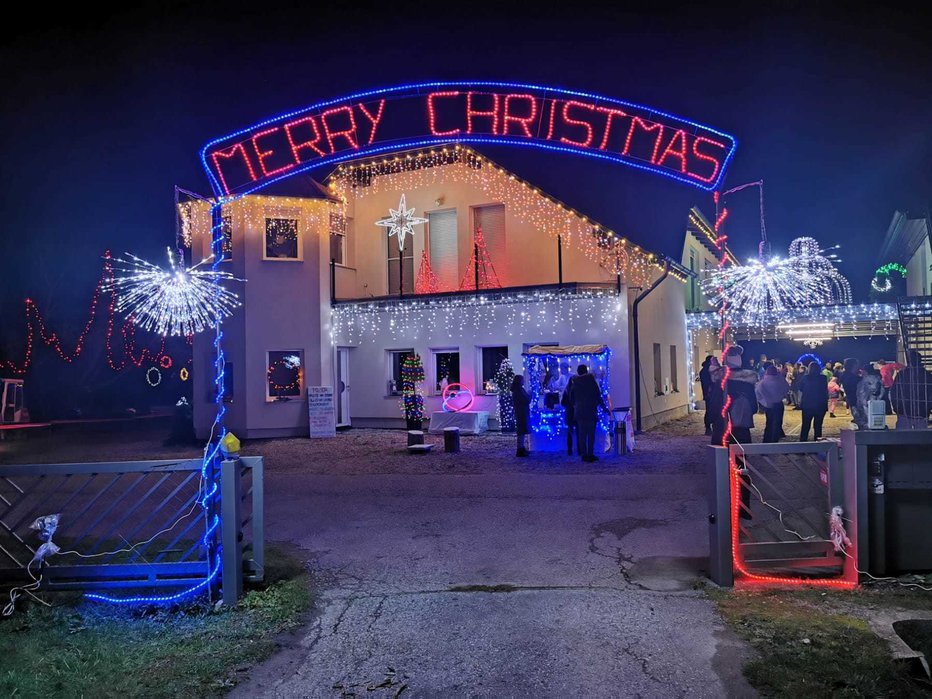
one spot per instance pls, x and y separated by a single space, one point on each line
321 414
427 114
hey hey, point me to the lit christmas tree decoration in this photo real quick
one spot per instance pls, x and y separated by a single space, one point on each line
427 282
506 408
176 301
412 400
401 222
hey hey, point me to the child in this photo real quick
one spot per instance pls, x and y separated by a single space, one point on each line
834 393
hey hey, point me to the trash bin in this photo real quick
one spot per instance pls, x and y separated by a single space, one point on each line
620 425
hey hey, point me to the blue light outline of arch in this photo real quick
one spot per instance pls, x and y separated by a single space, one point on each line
415 141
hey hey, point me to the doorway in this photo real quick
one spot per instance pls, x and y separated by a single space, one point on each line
342 388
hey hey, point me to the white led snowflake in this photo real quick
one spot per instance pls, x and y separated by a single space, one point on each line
401 221
176 301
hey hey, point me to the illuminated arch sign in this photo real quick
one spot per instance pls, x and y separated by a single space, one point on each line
427 114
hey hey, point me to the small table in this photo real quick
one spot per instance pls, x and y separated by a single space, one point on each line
469 421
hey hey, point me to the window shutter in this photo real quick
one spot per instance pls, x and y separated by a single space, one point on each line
442 239
491 219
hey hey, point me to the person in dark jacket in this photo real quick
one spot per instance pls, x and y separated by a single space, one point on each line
814 402
714 401
849 380
912 394
587 399
771 390
705 383
522 403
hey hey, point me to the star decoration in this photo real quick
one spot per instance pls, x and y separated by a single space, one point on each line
401 221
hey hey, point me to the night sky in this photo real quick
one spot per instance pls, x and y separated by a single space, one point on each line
103 115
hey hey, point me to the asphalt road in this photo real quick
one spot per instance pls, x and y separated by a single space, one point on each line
502 585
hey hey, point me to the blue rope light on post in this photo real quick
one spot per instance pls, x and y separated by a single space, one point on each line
210 464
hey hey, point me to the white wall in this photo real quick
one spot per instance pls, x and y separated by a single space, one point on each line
285 307
601 320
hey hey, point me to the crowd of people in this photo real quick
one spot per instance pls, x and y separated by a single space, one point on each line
771 386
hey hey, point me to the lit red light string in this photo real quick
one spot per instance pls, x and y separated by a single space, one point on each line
737 560
35 322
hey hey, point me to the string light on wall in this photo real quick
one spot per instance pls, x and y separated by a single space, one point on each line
511 313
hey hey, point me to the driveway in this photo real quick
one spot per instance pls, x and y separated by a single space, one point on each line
478 574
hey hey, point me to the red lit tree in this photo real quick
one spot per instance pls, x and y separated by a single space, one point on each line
480 273
427 282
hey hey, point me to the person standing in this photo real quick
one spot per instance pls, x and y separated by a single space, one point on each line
587 399
849 379
887 374
715 399
521 400
705 382
798 374
834 391
912 394
814 402
770 392
740 388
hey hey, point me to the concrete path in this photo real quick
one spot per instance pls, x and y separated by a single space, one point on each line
501 585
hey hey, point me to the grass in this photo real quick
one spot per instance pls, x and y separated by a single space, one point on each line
80 648
812 643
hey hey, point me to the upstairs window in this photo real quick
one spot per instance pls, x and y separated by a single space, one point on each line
281 239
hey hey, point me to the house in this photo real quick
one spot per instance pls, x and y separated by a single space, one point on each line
439 253
907 243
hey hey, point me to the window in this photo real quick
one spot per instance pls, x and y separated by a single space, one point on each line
491 219
674 383
658 370
446 368
281 239
441 232
396 258
285 375
491 360
226 229
395 359
338 238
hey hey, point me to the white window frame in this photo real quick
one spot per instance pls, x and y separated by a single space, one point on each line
289 215
480 359
302 382
390 370
434 351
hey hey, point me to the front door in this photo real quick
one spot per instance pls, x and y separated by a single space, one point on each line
341 389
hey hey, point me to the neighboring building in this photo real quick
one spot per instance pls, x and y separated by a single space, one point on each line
546 275
907 243
700 256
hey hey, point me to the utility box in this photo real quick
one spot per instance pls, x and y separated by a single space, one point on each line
894 498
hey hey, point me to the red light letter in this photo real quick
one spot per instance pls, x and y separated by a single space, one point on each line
576 122
263 154
229 153
347 134
716 163
553 110
644 125
432 116
312 144
470 112
608 124
374 119
522 121
680 153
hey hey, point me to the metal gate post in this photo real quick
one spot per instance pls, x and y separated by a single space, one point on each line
230 518
258 519
721 569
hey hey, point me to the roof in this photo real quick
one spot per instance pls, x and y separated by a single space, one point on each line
903 238
302 186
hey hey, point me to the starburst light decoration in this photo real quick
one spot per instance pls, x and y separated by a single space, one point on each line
807 277
401 222
175 301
